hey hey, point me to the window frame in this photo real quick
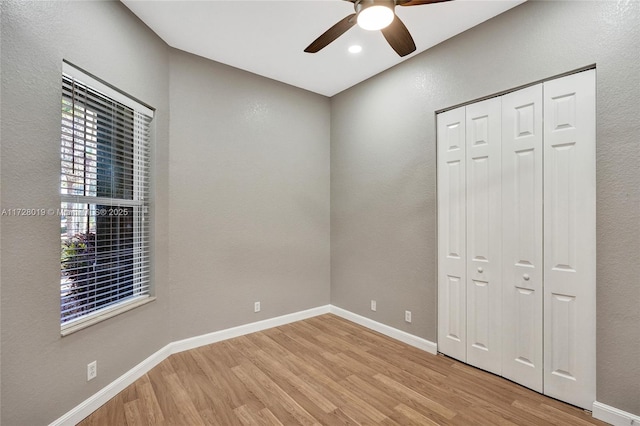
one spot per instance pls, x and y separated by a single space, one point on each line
139 204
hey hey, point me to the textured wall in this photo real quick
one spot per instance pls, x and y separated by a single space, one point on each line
383 160
44 375
244 217
241 203
249 189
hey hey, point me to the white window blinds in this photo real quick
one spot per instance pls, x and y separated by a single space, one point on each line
104 190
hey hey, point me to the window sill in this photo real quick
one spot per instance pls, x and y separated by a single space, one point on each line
104 314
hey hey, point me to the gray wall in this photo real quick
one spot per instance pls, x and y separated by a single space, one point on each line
244 216
241 191
249 189
44 375
383 168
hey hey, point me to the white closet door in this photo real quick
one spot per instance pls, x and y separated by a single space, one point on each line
484 272
522 236
452 315
569 239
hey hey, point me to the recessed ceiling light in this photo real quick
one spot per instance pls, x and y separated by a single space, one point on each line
355 49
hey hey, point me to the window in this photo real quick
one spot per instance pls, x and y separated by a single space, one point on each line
104 191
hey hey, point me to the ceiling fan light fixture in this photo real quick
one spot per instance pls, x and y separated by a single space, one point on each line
374 15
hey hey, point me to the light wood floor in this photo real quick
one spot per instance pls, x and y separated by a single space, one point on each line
327 371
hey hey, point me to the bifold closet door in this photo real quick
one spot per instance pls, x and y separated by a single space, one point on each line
522 153
516 236
484 272
452 316
569 238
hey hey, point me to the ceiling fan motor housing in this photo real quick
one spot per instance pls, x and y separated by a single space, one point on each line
374 15
360 5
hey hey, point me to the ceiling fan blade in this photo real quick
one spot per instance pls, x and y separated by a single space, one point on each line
331 34
417 2
399 38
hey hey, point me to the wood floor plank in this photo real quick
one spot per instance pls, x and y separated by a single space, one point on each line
414 417
134 414
270 418
221 379
415 396
150 408
312 355
272 396
315 350
325 371
301 385
187 412
372 394
381 405
312 401
110 413
247 417
298 388
354 406
189 374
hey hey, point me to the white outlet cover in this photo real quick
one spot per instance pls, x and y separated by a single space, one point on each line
92 370
256 307
407 316
373 305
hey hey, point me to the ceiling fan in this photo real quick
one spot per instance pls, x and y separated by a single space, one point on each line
374 15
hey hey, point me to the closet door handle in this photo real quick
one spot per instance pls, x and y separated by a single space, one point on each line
480 269
526 277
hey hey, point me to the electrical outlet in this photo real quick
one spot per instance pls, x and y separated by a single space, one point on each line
373 305
92 370
407 316
256 307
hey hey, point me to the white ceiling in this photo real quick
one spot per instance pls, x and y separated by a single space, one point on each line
268 37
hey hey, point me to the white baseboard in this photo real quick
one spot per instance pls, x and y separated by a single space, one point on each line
394 333
100 398
230 333
613 416
94 402
601 411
